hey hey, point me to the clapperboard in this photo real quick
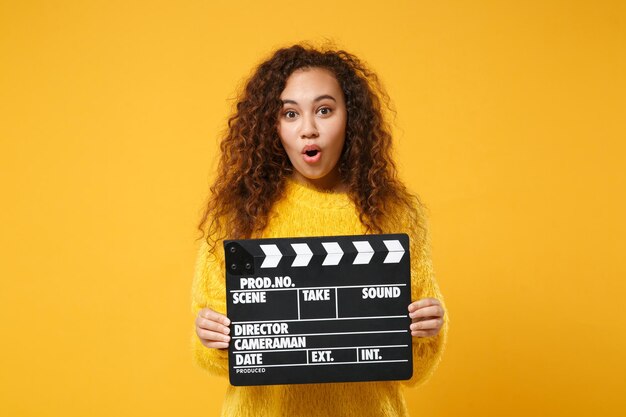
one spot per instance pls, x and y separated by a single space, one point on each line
319 309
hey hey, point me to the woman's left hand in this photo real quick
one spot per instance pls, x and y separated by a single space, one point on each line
426 317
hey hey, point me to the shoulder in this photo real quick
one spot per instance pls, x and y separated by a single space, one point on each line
407 212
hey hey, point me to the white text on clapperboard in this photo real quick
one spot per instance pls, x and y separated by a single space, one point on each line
253 339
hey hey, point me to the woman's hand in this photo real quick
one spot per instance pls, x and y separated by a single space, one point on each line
211 328
426 317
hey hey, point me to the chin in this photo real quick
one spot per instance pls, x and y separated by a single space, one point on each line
313 176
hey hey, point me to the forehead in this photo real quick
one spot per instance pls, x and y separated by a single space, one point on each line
311 82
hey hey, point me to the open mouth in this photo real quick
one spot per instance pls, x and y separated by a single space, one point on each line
311 154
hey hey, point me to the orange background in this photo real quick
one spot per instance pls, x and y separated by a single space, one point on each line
510 125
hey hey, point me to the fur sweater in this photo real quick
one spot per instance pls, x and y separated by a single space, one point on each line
305 211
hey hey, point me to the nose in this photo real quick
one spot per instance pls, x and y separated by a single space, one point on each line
309 128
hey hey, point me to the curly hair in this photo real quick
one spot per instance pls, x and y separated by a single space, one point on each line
253 167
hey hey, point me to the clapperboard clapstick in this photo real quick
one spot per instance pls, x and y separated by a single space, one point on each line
319 309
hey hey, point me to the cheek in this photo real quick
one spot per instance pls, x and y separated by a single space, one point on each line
339 134
287 145
281 135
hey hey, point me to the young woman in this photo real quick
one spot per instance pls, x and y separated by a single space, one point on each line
308 153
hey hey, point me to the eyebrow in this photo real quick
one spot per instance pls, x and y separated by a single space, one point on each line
322 97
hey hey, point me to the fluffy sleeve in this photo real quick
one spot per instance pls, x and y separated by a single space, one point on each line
427 351
208 290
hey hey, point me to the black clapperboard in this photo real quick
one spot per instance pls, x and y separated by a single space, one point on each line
319 309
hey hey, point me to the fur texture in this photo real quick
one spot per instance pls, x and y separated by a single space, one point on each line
304 211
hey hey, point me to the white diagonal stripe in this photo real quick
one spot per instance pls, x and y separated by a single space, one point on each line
334 253
365 252
303 254
396 251
272 256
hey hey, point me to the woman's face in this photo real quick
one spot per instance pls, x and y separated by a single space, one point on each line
312 126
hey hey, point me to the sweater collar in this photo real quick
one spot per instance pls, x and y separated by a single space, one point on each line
298 193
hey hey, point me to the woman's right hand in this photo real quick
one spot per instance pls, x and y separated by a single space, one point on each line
211 328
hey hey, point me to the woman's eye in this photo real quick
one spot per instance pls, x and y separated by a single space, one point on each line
290 114
325 110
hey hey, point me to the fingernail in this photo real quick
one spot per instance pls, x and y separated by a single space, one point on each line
226 330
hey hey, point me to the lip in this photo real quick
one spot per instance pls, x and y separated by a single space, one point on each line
311 159
311 148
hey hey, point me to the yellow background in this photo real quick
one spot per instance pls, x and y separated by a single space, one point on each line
511 121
